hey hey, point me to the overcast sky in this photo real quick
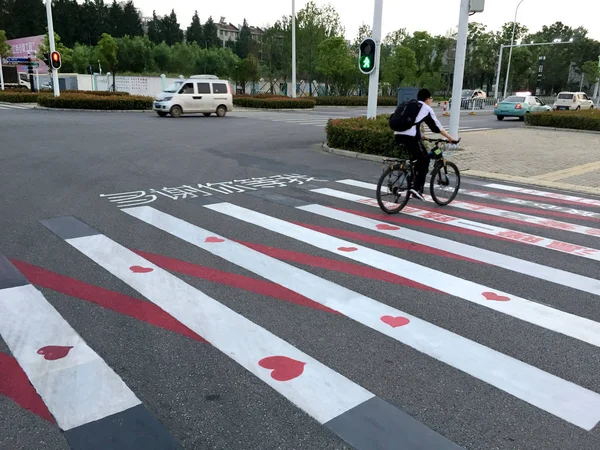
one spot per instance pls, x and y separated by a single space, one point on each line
435 16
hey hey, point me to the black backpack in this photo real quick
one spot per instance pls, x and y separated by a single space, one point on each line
405 115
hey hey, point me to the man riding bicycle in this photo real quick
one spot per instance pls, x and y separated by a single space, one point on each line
412 140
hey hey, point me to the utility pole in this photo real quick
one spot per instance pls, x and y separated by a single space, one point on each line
499 70
459 66
52 46
374 76
293 48
511 47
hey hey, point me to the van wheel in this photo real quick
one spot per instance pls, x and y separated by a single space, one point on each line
161 114
176 111
221 111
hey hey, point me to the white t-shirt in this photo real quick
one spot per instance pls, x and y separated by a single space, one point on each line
427 115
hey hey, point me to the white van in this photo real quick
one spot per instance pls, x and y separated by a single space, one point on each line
205 94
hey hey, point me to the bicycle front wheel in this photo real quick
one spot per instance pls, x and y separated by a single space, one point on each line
445 183
395 185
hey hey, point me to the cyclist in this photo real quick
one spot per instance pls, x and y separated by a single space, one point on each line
412 140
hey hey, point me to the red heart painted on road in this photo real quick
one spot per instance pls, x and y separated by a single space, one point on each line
54 352
347 249
395 322
384 226
140 269
213 239
284 368
495 297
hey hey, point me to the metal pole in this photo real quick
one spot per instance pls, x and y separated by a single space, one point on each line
52 46
293 48
459 66
598 82
511 49
374 77
1 74
499 70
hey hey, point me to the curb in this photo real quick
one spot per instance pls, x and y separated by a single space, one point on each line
532 181
570 130
95 110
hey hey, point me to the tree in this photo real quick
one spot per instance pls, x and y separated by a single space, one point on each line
194 32
116 20
336 64
65 52
247 70
243 46
106 50
590 70
5 48
211 34
401 67
170 30
28 18
132 22
154 29
274 56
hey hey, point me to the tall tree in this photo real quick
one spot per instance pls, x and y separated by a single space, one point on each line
171 32
65 52
28 17
107 49
154 29
211 34
115 26
131 21
335 63
5 49
243 46
194 32
401 67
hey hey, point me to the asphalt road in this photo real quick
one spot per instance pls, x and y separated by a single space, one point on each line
187 283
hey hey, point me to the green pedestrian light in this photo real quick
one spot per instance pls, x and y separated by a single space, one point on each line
366 56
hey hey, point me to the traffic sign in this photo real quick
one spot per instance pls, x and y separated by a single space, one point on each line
17 59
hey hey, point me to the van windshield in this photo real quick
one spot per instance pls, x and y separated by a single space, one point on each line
174 87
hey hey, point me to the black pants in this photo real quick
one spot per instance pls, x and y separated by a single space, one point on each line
417 151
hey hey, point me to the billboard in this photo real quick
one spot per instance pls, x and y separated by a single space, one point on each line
20 47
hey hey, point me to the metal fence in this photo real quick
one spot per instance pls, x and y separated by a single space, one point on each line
489 103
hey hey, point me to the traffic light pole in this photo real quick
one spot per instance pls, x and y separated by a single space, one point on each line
52 46
293 48
374 76
459 66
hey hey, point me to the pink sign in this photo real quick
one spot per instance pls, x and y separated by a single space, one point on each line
22 46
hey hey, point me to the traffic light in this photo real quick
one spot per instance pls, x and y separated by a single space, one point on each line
366 56
55 60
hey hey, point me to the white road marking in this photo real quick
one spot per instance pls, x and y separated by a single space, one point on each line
572 198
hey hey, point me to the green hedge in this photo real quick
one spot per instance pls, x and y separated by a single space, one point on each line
362 135
354 101
577 120
274 102
18 96
98 93
79 101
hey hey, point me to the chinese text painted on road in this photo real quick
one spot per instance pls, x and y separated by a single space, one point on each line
137 198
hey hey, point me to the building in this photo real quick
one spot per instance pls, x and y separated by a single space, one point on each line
227 32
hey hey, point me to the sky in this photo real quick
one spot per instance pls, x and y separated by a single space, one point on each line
435 16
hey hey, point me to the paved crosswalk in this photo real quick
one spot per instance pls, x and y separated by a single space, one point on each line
320 120
17 106
499 304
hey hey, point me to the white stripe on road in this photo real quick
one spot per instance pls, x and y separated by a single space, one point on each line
318 390
538 314
529 203
572 198
559 397
516 236
525 267
77 386
484 209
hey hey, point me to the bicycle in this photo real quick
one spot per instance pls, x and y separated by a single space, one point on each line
406 172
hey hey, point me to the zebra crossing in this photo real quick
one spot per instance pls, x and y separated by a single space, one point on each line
16 106
320 120
441 267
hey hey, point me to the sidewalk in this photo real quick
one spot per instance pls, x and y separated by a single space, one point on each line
543 157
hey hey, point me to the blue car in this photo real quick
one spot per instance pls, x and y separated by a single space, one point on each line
519 105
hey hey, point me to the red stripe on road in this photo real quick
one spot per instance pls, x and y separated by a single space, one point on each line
386 242
479 216
421 223
534 198
535 211
338 266
239 281
15 385
129 306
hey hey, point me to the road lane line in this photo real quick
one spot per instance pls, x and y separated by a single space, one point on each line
548 392
330 398
81 391
496 212
525 267
571 198
492 230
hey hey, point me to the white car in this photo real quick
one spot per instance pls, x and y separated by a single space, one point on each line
573 101
204 94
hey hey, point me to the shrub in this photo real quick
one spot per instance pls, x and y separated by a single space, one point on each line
18 96
274 102
83 101
577 120
362 135
98 93
354 101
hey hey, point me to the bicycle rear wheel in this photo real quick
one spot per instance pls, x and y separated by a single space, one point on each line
396 187
441 183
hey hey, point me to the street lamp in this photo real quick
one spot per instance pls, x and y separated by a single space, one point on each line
511 44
